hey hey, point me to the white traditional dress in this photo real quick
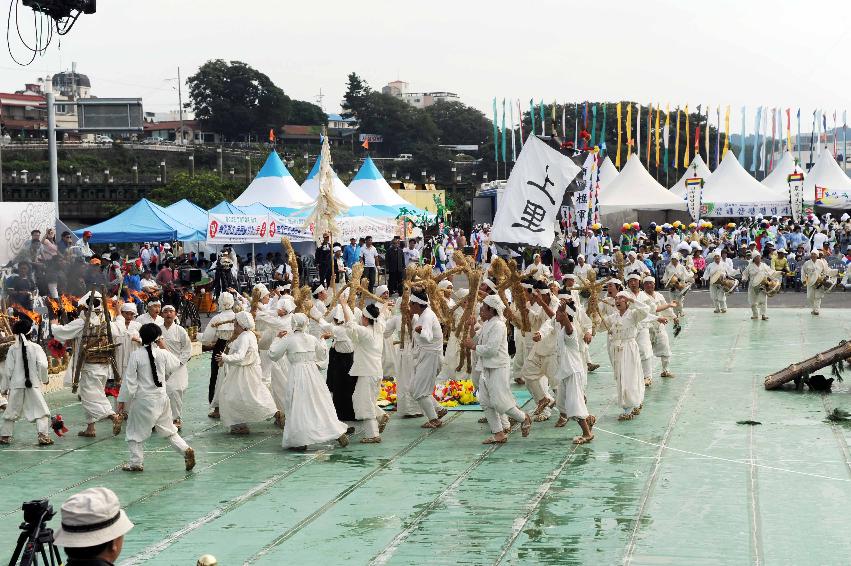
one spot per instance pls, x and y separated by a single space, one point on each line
810 272
128 342
148 404
683 275
178 343
757 297
242 396
368 344
24 401
494 387
623 351
311 418
717 292
571 375
659 340
93 376
428 357
403 360
645 347
216 334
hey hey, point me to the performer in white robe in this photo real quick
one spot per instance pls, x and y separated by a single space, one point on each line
242 396
571 375
318 325
388 360
716 291
215 339
623 327
658 335
367 336
684 277
263 313
581 270
540 349
177 342
754 273
310 412
813 269
538 270
127 336
277 321
494 388
143 394
403 359
93 376
25 369
645 348
151 314
428 357
582 322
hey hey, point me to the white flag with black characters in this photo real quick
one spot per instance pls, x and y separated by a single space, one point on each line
529 206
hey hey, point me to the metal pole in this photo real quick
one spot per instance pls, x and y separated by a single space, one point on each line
191 165
51 150
219 162
180 104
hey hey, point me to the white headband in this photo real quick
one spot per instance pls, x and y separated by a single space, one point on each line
419 301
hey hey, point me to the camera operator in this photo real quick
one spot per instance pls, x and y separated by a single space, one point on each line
93 528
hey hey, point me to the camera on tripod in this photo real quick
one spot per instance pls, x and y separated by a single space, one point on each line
36 539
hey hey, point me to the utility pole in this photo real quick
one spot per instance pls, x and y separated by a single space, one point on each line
51 151
180 103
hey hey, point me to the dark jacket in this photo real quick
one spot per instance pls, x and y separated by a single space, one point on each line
394 258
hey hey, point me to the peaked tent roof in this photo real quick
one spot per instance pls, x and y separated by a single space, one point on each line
634 188
827 174
776 180
371 187
143 222
730 184
190 214
608 172
357 206
225 207
273 186
703 172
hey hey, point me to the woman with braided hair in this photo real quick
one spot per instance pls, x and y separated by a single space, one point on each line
143 392
26 369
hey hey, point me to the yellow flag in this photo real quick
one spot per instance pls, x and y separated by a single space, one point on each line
658 115
628 131
788 133
686 160
618 156
677 143
727 131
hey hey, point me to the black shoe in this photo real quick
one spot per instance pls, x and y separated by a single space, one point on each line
350 430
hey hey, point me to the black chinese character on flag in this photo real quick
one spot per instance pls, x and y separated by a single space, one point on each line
531 217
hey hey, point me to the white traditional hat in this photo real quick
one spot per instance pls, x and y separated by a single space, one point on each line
318 290
444 284
287 303
494 302
633 276
84 300
245 320
624 295
649 279
169 308
615 282
381 289
128 307
419 300
299 321
264 291
755 253
90 518
490 284
225 301
461 293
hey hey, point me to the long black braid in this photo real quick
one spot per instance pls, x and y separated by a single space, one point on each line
149 333
21 327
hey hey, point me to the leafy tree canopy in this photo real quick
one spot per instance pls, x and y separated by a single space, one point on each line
205 189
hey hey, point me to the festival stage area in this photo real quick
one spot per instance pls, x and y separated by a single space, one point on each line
682 484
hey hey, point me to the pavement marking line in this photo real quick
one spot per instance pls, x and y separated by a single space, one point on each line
753 490
650 485
520 522
152 551
746 462
289 533
729 365
390 549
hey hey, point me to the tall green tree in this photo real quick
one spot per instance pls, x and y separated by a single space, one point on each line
305 114
460 124
355 98
204 189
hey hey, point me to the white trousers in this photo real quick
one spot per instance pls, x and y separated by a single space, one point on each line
758 301
137 449
28 403
719 297
363 402
814 297
175 399
92 381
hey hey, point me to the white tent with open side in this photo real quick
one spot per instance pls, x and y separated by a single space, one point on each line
608 173
274 186
635 189
703 172
732 192
827 184
776 180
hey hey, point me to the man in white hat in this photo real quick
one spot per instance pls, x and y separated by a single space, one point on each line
635 264
152 313
127 336
684 277
318 325
658 335
755 274
581 269
582 322
93 528
813 269
94 370
215 339
177 342
645 348
428 356
716 291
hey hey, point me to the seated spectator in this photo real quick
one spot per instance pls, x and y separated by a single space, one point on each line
22 286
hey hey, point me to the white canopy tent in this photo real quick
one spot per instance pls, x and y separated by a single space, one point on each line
776 180
703 172
827 184
608 172
273 186
635 189
732 192
341 192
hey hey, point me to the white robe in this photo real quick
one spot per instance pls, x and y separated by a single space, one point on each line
428 353
623 351
178 343
311 418
126 337
366 365
571 375
403 359
492 355
242 396
24 401
148 404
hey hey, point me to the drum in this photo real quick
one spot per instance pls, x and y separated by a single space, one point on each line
770 286
728 284
674 283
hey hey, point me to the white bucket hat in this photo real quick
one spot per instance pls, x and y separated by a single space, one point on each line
91 517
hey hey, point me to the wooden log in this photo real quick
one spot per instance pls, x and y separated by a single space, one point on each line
810 365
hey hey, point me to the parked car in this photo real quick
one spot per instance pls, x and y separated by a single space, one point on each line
103 139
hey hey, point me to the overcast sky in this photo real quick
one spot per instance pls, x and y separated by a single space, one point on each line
737 52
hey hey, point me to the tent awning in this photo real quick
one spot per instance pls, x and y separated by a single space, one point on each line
143 222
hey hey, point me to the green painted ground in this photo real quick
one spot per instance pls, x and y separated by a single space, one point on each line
682 484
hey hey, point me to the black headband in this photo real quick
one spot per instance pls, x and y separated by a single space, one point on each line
93 527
